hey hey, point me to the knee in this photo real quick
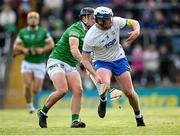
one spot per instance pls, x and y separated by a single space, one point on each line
61 92
27 86
129 92
77 92
37 90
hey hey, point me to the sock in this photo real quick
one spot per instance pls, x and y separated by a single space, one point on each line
137 114
103 98
45 109
75 117
30 105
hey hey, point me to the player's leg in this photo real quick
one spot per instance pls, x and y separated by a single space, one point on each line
27 81
105 75
61 87
39 71
75 85
37 85
58 77
27 77
126 83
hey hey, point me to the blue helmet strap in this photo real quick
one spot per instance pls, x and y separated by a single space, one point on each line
103 23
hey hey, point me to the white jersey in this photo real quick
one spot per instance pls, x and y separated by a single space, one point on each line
105 43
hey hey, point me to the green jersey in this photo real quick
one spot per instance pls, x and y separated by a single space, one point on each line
62 49
34 39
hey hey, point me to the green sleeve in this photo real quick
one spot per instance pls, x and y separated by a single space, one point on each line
74 33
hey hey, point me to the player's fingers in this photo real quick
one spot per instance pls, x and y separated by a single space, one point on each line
128 42
131 32
128 39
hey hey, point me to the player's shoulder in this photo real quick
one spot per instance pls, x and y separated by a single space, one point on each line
23 30
92 30
119 22
76 26
42 29
117 19
91 33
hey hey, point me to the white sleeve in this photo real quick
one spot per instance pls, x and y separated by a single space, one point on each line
120 22
18 39
87 46
48 37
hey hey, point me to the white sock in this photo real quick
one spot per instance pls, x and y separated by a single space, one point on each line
30 105
44 113
103 100
138 116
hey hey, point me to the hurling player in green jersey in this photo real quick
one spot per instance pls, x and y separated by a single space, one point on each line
61 67
33 41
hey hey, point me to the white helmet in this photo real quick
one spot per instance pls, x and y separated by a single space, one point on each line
102 17
103 13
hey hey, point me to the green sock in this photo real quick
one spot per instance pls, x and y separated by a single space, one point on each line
75 117
45 109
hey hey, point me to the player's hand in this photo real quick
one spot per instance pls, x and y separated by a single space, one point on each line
132 36
98 79
26 51
39 50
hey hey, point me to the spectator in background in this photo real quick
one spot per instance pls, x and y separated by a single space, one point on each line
68 18
175 23
151 65
160 21
8 18
137 62
165 65
147 22
54 7
23 10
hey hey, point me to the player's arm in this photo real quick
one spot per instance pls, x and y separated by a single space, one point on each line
74 44
49 45
136 30
18 47
86 61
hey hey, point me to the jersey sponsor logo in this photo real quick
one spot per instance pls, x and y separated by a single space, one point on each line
62 65
40 36
113 33
102 41
111 43
53 66
26 36
32 36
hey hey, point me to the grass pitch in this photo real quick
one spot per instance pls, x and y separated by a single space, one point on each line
159 121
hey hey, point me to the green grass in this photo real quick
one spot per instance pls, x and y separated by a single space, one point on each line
159 121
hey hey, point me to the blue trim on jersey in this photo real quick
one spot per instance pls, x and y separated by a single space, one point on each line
86 52
116 67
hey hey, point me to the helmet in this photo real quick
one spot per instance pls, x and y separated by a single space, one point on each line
86 11
33 18
88 21
103 17
103 13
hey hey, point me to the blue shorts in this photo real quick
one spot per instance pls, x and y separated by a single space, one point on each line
116 67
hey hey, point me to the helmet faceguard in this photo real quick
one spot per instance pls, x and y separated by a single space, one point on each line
33 19
103 17
87 12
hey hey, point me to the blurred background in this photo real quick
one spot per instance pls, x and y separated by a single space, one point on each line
154 56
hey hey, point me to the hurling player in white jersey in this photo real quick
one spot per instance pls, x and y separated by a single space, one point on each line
109 58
